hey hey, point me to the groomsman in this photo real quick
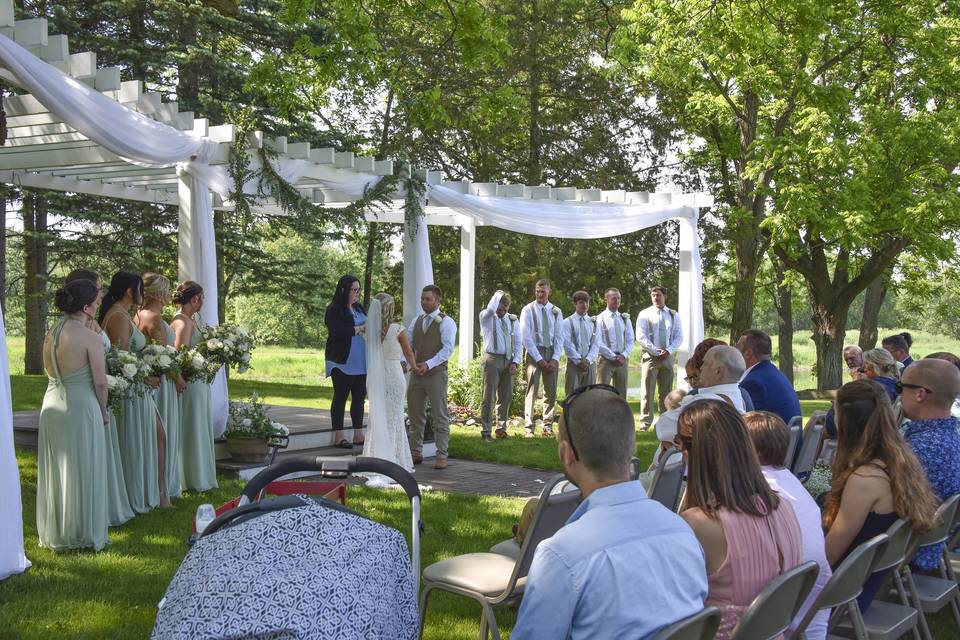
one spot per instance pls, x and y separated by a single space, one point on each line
501 357
541 328
615 333
580 344
660 334
432 335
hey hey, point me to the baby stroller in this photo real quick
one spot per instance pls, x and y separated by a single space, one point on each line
298 566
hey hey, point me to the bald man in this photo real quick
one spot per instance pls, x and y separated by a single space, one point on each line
927 391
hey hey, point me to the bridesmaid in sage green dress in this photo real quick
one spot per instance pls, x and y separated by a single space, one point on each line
118 504
150 321
197 455
72 441
137 422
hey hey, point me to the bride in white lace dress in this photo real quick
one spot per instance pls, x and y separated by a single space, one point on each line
387 344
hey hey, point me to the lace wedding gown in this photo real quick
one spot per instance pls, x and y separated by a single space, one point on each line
387 434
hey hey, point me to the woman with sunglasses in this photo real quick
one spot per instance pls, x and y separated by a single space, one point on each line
749 534
876 478
345 354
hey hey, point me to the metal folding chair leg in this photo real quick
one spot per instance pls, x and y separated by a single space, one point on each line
423 609
921 631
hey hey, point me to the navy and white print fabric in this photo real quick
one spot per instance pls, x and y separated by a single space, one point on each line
304 572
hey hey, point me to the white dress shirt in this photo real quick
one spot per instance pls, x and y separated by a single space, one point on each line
533 332
648 322
500 331
666 426
448 336
573 338
614 334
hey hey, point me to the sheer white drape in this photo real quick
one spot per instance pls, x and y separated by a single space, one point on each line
417 269
12 558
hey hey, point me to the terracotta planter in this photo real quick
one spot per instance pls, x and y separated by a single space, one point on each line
243 449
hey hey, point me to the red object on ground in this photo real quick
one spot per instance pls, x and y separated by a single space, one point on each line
330 490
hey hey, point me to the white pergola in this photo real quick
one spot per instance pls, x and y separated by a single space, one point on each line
43 151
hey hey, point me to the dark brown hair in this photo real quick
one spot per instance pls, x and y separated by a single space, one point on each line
662 290
82 274
770 436
945 355
542 282
581 296
186 291
724 471
867 431
75 295
758 342
435 290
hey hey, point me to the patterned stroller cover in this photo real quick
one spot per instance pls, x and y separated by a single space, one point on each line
295 567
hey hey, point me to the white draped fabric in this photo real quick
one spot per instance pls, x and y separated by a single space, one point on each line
12 558
417 269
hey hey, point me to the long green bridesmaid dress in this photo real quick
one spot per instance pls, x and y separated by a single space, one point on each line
197 455
118 503
71 461
137 428
168 404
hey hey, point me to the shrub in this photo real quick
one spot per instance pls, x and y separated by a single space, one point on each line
466 387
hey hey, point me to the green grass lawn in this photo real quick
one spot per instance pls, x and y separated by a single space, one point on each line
114 593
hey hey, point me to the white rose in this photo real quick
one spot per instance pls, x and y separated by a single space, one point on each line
213 344
149 359
197 362
164 361
246 422
129 370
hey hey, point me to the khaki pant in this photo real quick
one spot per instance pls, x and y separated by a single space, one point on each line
432 387
532 375
576 378
607 371
497 390
654 374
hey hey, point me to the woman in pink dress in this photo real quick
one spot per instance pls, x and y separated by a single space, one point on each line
749 535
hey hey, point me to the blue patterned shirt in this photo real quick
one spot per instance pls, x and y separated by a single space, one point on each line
937 445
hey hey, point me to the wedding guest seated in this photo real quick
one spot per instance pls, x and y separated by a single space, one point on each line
721 371
771 438
899 347
623 566
769 389
876 478
674 398
696 362
928 390
879 366
749 534
853 357
955 361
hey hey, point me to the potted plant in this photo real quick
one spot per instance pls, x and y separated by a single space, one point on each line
250 430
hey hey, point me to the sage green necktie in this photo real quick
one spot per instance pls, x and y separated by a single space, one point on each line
546 327
507 339
618 329
583 337
662 331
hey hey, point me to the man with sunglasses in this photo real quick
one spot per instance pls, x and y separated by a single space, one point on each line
594 578
927 391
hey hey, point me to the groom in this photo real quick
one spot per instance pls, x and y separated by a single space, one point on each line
431 335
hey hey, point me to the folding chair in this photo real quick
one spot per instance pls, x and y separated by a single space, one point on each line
700 626
511 548
807 455
668 480
930 593
884 620
491 578
774 608
843 588
796 428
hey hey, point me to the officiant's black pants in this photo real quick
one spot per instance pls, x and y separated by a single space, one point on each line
346 385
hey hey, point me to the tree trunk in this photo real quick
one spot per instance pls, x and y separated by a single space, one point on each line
187 71
534 168
872 302
223 285
35 283
829 330
784 304
744 288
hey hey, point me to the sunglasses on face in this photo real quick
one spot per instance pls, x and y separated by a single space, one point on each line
900 386
568 402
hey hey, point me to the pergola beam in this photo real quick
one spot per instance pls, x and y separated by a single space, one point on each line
69 185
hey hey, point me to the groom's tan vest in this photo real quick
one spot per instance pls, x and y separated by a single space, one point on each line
426 345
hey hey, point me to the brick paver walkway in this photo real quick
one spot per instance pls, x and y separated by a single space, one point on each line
485 478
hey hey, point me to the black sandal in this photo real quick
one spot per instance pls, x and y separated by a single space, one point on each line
344 444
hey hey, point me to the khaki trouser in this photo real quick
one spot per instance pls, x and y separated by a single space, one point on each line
532 375
432 387
497 390
608 370
654 374
576 378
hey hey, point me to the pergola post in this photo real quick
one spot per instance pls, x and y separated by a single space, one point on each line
468 263
689 293
185 228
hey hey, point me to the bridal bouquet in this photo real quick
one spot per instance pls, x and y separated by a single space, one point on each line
129 373
161 358
250 420
227 344
194 367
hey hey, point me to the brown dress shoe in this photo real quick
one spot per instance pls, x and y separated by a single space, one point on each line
440 463
501 434
417 457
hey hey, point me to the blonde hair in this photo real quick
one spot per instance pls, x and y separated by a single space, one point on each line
387 306
882 362
155 286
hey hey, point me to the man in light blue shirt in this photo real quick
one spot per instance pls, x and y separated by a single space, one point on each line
623 566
